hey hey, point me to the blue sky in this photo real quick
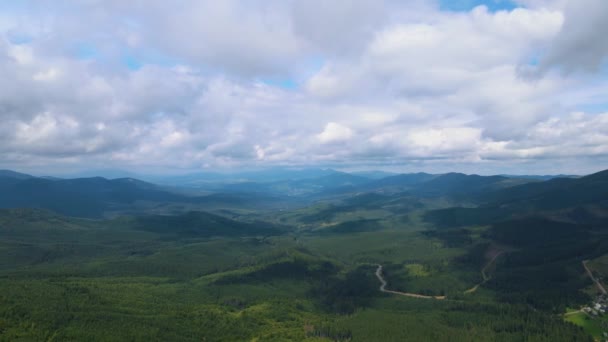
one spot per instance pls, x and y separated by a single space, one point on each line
400 85
467 5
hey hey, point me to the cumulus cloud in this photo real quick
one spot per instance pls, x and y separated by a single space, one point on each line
335 132
581 43
342 83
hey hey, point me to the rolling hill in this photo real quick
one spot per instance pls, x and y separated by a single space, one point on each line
556 193
84 197
581 200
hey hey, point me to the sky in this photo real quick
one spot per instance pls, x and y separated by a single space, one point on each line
487 87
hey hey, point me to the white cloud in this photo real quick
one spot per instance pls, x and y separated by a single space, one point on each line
47 75
383 83
335 132
449 139
581 44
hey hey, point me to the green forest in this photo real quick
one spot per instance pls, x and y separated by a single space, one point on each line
70 279
310 273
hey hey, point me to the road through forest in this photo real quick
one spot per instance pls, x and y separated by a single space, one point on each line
484 276
414 295
595 280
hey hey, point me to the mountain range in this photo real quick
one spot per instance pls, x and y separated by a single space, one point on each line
97 196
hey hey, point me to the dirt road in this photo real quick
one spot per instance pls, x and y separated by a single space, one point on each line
414 295
485 268
483 273
595 280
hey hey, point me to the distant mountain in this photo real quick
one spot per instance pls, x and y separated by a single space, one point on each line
459 184
455 185
305 186
97 196
498 195
105 173
373 174
195 180
10 178
278 174
401 181
85 197
540 177
336 179
212 179
14 175
51 177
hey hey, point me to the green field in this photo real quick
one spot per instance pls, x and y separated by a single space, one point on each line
592 326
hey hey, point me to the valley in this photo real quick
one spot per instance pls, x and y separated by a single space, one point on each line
304 170
400 258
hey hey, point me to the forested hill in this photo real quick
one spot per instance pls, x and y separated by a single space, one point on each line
97 196
84 197
582 200
549 228
555 193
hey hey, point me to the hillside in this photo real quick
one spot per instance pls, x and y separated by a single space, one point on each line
84 197
463 186
582 200
555 193
7 174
